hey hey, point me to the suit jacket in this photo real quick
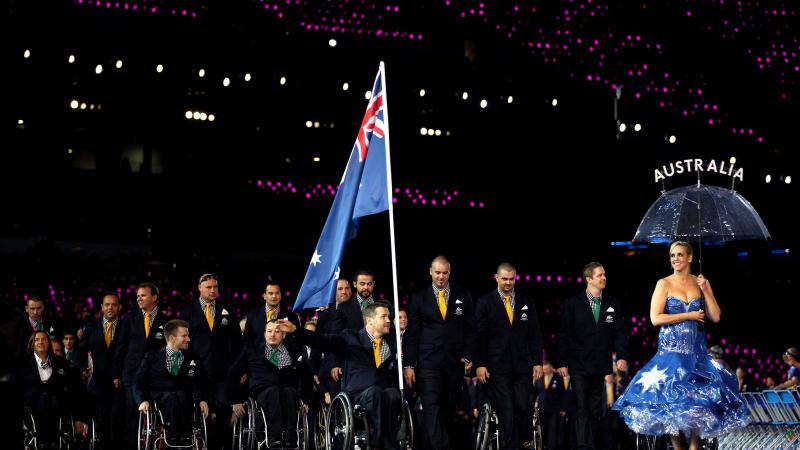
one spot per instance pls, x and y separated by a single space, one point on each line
216 349
261 373
153 376
430 341
135 345
324 324
584 346
62 392
348 316
503 347
356 352
552 398
103 357
253 335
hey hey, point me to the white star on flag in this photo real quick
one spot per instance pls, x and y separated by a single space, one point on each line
336 273
315 258
652 378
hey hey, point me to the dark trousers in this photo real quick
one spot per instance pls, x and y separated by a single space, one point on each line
109 415
510 394
554 429
131 414
47 411
280 404
383 409
177 407
589 395
440 393
219 431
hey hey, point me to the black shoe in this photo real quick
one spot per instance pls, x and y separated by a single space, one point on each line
277 443
291 438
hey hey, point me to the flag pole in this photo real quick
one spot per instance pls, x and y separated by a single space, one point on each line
391 232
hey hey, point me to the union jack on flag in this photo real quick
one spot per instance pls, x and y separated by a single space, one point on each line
363 191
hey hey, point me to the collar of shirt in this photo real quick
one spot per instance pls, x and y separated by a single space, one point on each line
171 352
592 297
39 361
44 373
204 302
274 309
113 325
34 323
361 300
446 291
153 313
503 295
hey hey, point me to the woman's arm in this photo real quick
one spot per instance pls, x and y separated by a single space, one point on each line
712 307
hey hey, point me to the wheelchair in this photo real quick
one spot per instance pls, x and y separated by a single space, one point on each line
321 428
646 442
487 435
250 431
66 438
348 427
152 432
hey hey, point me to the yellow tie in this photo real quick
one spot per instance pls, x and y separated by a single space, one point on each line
377 350
109 326
509 311
146 324
442 304
566 383
209 317
546 381
269 315
610 394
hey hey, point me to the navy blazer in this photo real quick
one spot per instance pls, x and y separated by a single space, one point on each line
104 369
584 346
348 316
218 348
430 341
501 346
356 351
153 376
317 358
135 344
253 335
551 399
261 373
62 392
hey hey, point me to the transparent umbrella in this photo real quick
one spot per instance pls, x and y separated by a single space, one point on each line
701 212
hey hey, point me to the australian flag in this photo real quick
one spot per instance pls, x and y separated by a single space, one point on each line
363 191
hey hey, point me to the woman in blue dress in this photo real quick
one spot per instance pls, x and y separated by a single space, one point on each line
682 389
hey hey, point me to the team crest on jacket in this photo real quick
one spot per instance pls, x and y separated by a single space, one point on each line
524 316
159 335
609 319
459 311
224 321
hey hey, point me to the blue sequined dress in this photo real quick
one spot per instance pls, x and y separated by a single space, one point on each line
682 388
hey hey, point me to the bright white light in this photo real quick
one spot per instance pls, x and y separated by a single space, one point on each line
247 77
510 99
283 81
74 104
211 117
160 68
98 69
423 131
309 124
672 139
622 127
788 179
201 73
484 104
637 127
368 95
20 122
431 131
345 86
733 160
422 92
71 59
196 115
83 106
69 151
316 124
226 81
438 132
316 159
768 178
332 42
26 54
118 64
465 95
188 115
554 102
203 116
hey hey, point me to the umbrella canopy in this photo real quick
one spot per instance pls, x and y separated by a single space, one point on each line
701 212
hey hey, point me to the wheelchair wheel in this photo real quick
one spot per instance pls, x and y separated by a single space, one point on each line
29 431
339 434
302 429
536 423
321 421
199 431
644 442
147 430
487 436
91 440
405 435
66 432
